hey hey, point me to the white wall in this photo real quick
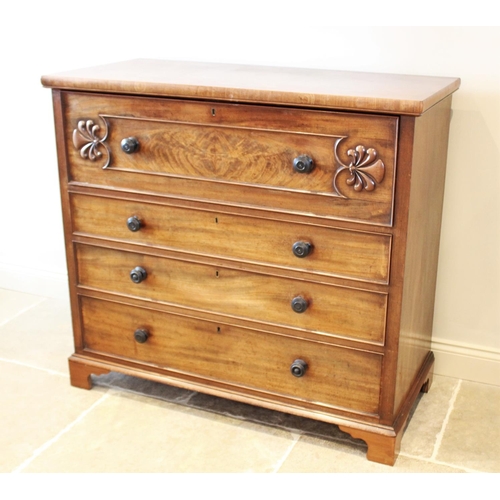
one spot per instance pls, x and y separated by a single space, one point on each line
53 36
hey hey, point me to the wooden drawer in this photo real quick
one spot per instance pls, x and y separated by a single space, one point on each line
332 310
336 252
236 153
335 376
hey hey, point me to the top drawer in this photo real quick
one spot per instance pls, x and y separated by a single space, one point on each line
335 165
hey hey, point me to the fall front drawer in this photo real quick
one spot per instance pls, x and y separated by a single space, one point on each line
208 231
332 376
297 304
339 165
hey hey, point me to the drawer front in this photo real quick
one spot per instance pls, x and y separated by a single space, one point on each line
334 376
337 252
332 310
236 153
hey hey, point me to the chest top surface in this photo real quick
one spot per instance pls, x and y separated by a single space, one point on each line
327 89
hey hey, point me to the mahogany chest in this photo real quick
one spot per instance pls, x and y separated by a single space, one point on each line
268 235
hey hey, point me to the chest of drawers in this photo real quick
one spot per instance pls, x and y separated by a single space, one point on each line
265 235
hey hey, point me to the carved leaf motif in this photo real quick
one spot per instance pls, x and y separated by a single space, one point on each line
88 142
366 170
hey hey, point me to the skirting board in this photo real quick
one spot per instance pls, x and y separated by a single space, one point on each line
453 359
466 361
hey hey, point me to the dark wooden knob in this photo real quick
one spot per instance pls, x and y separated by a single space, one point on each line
134 223
138 274
301 249
141 336
298 368
299 304
129 145
303 164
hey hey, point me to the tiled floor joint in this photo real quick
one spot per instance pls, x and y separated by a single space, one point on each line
22 311
438 462
50 442
281 461
439 437
41 368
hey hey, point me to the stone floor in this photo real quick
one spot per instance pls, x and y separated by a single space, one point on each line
130 425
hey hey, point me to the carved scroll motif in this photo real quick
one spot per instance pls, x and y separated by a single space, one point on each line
366 169
86 140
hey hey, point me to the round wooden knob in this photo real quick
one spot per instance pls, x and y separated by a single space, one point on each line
298 368
138 274
299 304
301 249
129 145
134 223
141 336
303 164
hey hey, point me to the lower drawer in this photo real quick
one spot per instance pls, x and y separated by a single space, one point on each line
329 309
336 377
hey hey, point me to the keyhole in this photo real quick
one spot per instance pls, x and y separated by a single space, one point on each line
213 111
216 274
216 220
218 329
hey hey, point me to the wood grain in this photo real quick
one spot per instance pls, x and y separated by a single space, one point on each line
352 254
422 246
335 376
406 94
249 149
338 311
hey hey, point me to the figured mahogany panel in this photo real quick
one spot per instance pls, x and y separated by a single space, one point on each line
336 252
331 310
334 376
242 154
